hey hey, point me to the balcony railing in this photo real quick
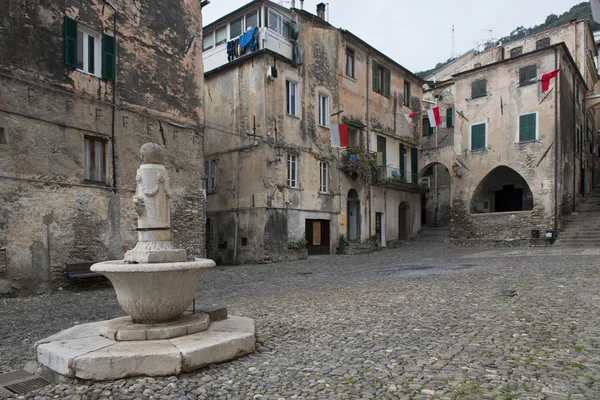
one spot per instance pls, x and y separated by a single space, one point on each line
353 157
396 178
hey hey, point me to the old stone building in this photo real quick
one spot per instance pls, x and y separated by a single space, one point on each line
519 160
278 81
82 86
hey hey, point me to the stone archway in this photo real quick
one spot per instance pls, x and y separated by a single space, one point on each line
404 222
353 215
436 201
503 189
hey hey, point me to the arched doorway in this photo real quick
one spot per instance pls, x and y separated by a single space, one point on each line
502 190
436 200
353 215
404 221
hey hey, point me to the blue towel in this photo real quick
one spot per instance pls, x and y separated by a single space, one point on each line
247 38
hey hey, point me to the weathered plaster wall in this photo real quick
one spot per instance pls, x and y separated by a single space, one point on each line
46 110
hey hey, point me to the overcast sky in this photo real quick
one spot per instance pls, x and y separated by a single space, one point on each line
418 34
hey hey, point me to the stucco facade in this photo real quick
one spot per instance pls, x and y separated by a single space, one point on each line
70 134
278 180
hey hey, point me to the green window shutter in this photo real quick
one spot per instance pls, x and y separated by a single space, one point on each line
449 117
402 167
108 57
388 82
70 41
414 159
375 76
382 148
478 137
527 127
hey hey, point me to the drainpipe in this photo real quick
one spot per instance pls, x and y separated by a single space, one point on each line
576 140
556 161
369 65
114 101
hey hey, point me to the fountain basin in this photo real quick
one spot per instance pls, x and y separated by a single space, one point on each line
154 292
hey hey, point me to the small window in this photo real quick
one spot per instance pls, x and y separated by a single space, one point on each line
323 110
3 136
211 174
381 79
427 128
479 88
235 28
208 41
324 185
291 90
542 43
449 117
407 94
349 62
517 51
292 172
478 138
95 160
252 19
279 24
527 127
244 241
527 75
88 51
221 36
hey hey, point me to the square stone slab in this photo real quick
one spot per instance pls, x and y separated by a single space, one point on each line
59 355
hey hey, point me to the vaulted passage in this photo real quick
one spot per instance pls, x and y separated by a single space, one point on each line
502 190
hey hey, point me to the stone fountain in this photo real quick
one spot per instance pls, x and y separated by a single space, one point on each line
155 285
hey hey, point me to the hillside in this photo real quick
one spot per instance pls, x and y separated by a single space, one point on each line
579 11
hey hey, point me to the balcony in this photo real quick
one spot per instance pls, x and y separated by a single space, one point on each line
357 158
395 178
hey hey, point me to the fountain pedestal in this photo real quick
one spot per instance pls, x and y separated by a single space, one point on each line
155 284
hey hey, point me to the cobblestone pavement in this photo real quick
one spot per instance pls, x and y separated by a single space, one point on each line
427 320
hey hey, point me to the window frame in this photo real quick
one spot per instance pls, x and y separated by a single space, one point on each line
291 100
516 51
350 55
211 174
471 136
86 34
241 18
536 127
324 177
280 25
407 93
531 80
87 172
473 96
542 43
450 117
293 176
212 36
223 41
323 110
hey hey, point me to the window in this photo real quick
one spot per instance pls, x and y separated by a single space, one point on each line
353 137
527 127
478 138
349 62
235 28
381 79
527 75
211 174
407 94
517 51
279 24
292 173
324 186
479 88
449 117
291 90
95 159
427 128
3 136
542 43
88 51
382 149
208 41
323 110
221 36
252 19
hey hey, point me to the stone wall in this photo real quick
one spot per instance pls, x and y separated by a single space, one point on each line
49 213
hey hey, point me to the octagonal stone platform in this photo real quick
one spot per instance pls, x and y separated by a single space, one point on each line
123 329
82 352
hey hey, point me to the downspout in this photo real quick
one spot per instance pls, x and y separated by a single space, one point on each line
114 106
558 81
577 139
369 135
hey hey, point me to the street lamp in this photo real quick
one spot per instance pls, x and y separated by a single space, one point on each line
456 168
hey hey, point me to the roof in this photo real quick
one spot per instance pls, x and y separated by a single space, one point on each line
251 4
511 59
431 75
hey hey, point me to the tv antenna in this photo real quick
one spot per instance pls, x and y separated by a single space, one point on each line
453 54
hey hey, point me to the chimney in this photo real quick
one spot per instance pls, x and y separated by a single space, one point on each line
302 4
321 10
293 3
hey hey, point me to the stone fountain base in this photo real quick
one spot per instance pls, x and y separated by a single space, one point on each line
83 352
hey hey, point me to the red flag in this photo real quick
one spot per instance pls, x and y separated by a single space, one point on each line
339 135
409 117
434 117
544 82
343 135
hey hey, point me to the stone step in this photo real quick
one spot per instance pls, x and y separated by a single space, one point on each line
564 235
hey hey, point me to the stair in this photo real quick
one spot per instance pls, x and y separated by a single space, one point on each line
582 228
435 235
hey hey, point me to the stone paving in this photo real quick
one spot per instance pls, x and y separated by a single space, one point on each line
425 321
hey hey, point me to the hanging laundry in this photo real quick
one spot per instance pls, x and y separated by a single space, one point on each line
247 39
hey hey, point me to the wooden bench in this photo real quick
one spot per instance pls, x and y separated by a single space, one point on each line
78 270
